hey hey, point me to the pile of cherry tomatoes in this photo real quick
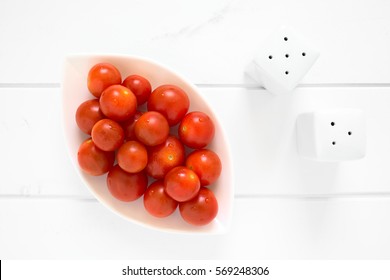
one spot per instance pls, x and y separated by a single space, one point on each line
139 135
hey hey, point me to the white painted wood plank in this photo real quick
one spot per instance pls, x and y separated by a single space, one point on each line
207 41
33 159
262 132
260 128
262 229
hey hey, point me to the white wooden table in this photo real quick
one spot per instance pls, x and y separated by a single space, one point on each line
285 207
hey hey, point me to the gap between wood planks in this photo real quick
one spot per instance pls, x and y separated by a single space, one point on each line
247 86
323 197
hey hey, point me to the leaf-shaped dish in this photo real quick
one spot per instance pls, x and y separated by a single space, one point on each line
74 90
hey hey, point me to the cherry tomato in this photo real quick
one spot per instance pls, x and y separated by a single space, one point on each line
132 156
200 210
151 128
140 86
128 126
107 135
126 186
118 103
101 76
171 101
87 114
181 183
196 130
164 157
94 161
157 202
206 164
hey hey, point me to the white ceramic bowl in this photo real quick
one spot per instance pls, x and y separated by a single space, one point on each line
74 90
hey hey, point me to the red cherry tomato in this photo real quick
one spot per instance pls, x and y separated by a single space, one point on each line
196 130
140 86
128 126
126 186
107 135
181 183
94 161
171 101
164 157
206 164
200 210
132 156
151 128
101 76
118 103
87 114
157 202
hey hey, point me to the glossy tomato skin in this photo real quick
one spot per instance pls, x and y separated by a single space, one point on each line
181 183
126 186
157 202
151 128
101 76
200 210
140 86
171 101
93 160
164 157
132 156
128 126
87 114
196 130
206 164
107 135
118 103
